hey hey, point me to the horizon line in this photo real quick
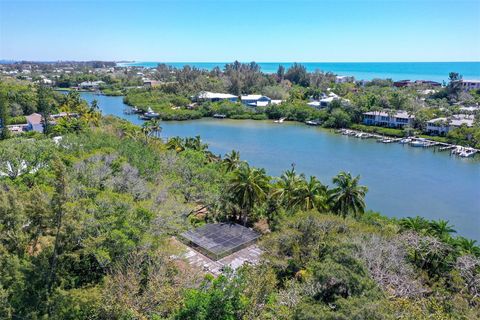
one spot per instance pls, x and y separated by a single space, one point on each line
241 61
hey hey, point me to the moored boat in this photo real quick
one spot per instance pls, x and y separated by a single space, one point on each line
312 123
419 143
405 140
150 114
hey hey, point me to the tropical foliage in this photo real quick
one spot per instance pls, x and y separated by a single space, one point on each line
87 225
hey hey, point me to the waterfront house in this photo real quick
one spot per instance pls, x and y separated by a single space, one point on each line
34 122
441 126
398 119
90 84
468 85
255 100
214 97
324 102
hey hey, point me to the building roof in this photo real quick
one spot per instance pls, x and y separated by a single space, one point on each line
251 97
456 120
470 109
215 95
328 99
34 118
471 81
218 240
398 114
90 83
315 104
259 103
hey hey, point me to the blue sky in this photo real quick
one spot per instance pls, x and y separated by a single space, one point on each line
223 30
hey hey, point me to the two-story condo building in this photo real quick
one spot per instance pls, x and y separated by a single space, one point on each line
381 118
441 126
255 100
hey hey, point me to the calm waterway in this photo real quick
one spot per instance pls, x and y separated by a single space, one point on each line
402 180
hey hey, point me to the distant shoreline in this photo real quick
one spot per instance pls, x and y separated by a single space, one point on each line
434 71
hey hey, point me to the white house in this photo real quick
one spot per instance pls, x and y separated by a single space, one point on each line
381 118
90 84
468 85
441 126
255 100
343 79
324 102
214 96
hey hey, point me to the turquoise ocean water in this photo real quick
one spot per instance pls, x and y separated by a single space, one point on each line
435 71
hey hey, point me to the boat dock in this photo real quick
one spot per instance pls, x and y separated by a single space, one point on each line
461 151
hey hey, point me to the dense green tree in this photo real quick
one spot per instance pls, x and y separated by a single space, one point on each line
297 74
4 132
44 106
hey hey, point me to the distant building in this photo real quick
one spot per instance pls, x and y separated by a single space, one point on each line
471 109
381 118
324 102
441 126
468 85
428 83
343 79
402 83
34 122
255 100
147 83
214 97
91 84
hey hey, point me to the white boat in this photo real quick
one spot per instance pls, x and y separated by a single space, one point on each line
467 153
312 123
419 143
405 140
464 152
219 116
280 120
150 114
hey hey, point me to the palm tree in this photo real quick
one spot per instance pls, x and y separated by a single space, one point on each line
232 161
308 195
195 144
417 224
130 131
146 130
285 187
467 246
155 127
248 187
176 143
441 228
348 197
